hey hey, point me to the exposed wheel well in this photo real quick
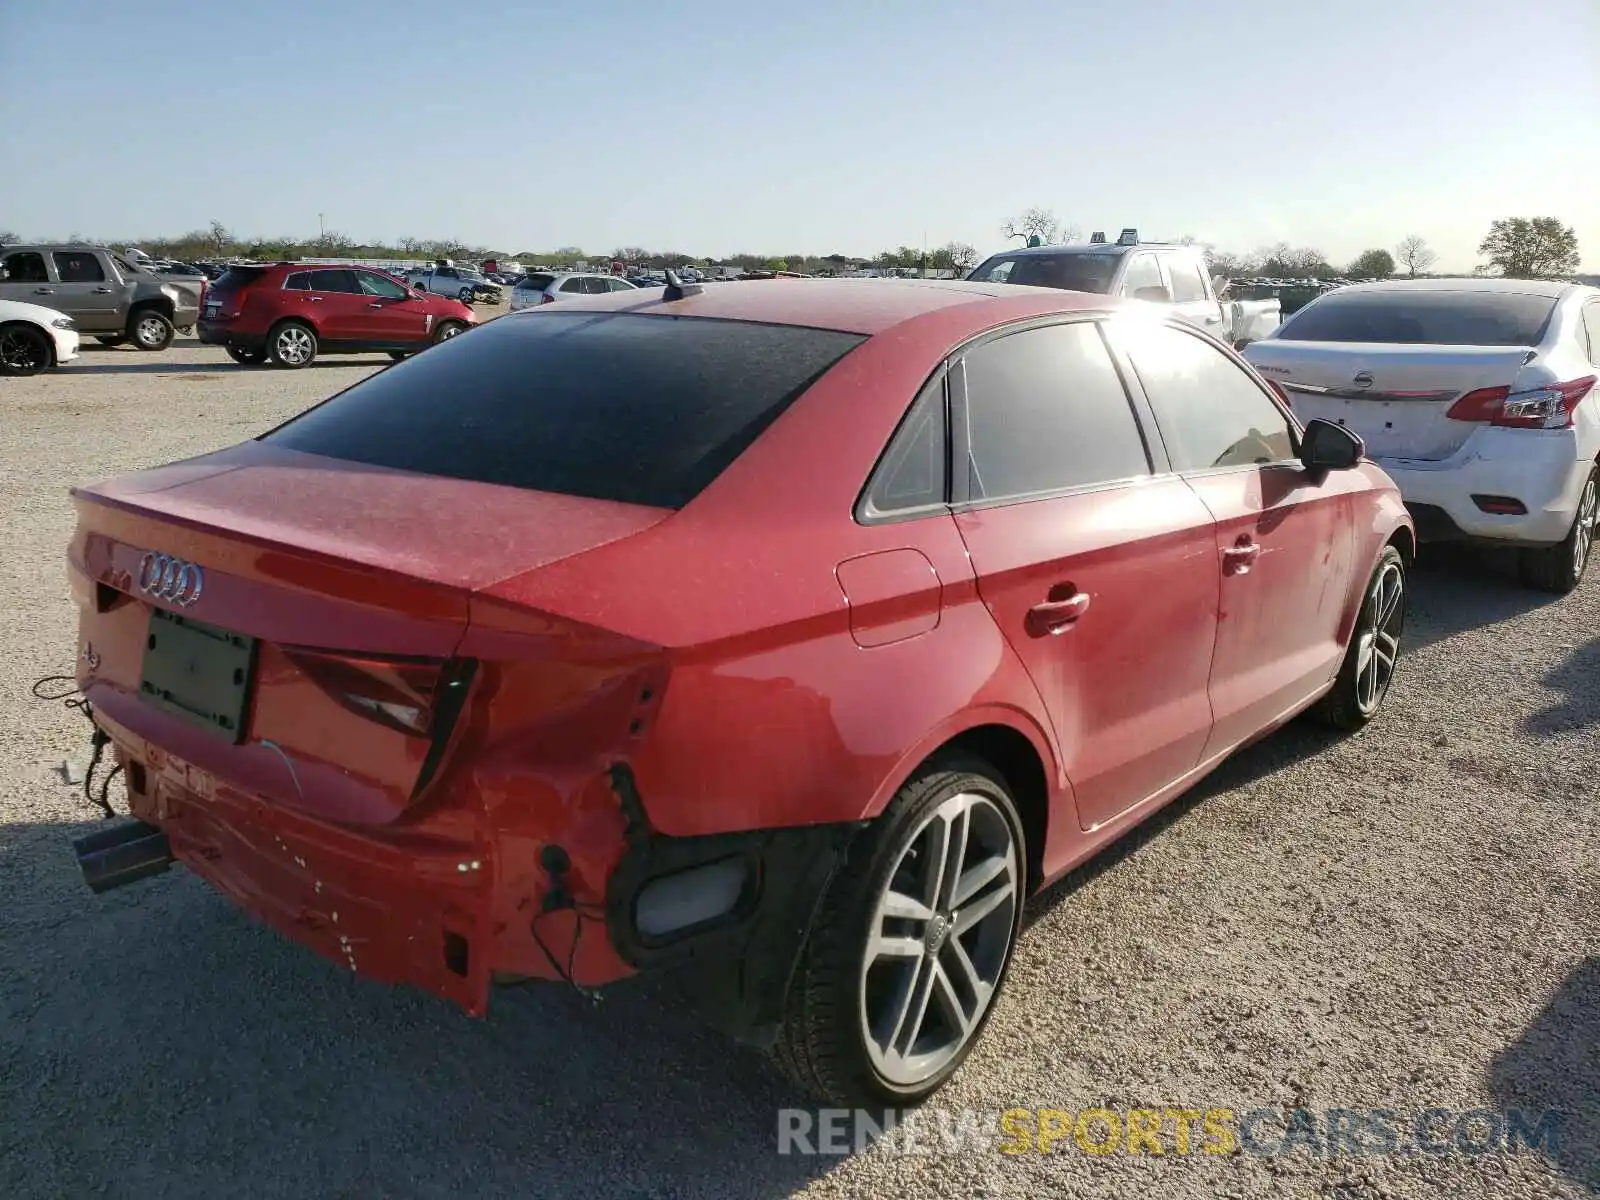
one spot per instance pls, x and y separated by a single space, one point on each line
49 342
1013 755
1405 542
161 305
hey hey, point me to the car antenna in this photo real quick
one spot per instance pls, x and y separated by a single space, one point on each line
677 289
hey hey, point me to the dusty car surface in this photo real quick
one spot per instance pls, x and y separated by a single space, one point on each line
794 633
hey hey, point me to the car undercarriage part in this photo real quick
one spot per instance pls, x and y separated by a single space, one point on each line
121 854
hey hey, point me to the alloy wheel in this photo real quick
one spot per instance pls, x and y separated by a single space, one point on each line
293 346
22 352
1380 640
940 935
150 331
1583 528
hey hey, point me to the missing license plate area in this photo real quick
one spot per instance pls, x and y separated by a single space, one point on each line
198 672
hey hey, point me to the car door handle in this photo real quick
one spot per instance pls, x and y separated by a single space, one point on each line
374 306
1058 616
102 291
44 291
315 299
1238 559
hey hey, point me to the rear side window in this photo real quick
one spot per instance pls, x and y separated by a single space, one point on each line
236 279
300 281
1423 318
76 266
572 286
1046 410
1188 285
1211 414
912 475
334 281
614 406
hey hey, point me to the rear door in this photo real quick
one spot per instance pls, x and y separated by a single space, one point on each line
24 277
1191 296
1099 568
338 306
83 290
1284 546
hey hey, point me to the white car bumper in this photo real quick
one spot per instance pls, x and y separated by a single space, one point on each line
66 344
1542 469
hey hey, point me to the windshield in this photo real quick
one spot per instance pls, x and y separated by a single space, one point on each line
1423 318
643 410
1073 271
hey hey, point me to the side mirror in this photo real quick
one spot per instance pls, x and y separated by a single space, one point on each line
1326 446
1156 294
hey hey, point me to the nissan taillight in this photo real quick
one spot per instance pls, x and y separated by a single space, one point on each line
1547 407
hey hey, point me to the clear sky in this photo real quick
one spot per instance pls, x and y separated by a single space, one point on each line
717 126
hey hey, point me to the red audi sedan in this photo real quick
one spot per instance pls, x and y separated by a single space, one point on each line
789 632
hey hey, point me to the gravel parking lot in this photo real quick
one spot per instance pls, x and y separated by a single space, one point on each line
1406 919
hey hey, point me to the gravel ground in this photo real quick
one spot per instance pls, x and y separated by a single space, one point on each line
1406 919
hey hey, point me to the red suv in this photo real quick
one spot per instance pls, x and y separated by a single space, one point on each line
288 313
788 635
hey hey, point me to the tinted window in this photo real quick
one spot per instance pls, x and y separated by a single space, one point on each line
235 279
616 406
1143 271
535 283
1591 325
378 285
1046 410
574 285
77 266
595 285
25 267
1423 318
1072 271
1188 285
912 473
300 281
1210 412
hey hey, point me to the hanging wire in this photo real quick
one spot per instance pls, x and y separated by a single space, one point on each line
64 689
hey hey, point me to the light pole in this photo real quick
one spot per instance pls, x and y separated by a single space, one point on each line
323 225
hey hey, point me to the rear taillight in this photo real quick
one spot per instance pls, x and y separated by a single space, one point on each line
394 692
1281 392
547 299
1548 407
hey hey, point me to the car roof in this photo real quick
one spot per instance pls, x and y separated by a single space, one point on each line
1552 289
1109 248
865 306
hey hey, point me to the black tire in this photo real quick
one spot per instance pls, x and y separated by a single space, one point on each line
447 330
25 349
150 330
247 358
398 355
292 345
464 295
823 1045
111 339
1559 568
1357 696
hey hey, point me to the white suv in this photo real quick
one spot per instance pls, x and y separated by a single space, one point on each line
1475 395
542 287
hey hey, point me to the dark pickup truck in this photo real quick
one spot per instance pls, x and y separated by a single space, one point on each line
108 296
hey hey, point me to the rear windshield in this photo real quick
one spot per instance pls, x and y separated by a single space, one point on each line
1074 272
1423 318
235 278
613 406
536 283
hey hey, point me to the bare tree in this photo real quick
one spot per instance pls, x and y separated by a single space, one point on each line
1038 223
961 256
9 236
1415 254
221 238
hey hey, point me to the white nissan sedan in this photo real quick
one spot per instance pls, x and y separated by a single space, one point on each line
1475 395
34 338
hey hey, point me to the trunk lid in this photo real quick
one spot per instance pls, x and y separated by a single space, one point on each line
342 593
1395 397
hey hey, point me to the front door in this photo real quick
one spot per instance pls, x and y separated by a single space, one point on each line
1101 575
1284 542
393 314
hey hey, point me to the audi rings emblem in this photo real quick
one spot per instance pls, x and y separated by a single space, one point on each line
171 579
